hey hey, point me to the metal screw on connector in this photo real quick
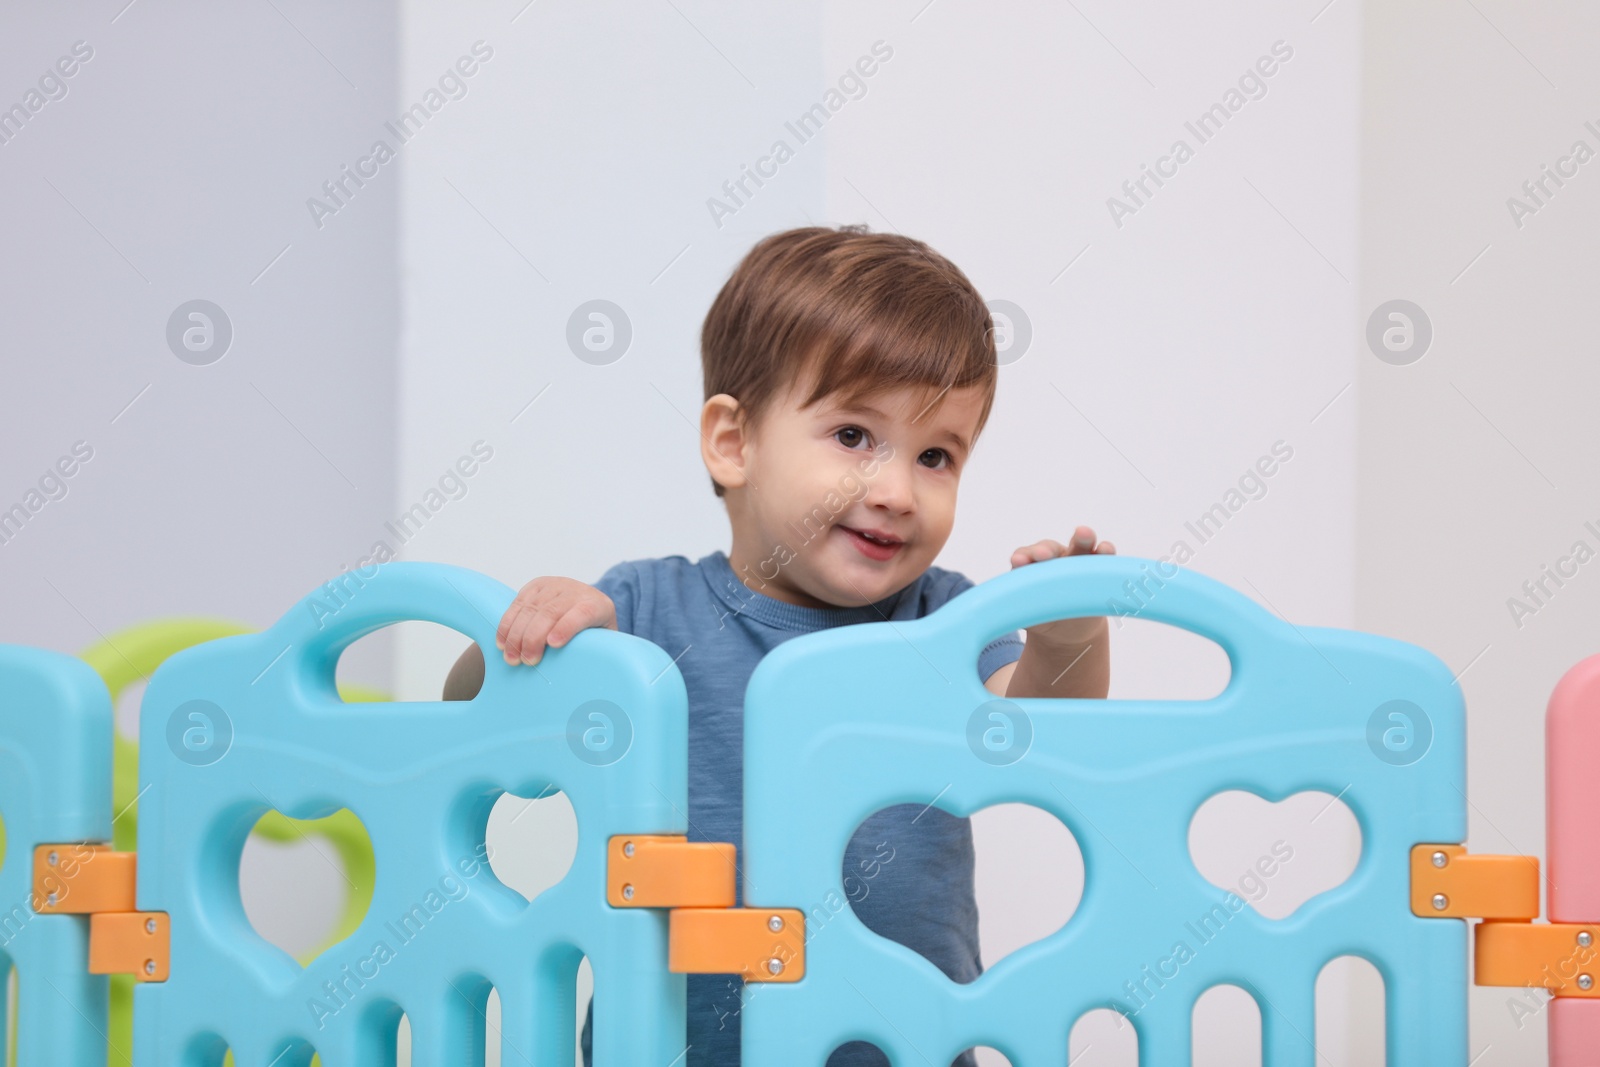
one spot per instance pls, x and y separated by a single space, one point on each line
1440 859
775 966
52 858
627 849
1585 940
627 892
775 923
149 966
1585 982
50 900
149 926
1440 902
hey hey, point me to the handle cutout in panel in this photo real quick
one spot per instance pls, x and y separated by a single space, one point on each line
1149 661
369 659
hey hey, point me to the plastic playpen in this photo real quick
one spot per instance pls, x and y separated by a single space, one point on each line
838 724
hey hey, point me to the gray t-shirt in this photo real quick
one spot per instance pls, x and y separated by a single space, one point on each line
907 871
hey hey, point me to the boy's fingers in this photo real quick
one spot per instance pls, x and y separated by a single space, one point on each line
503 631
527 598
1082 544
523 632
521 605
508 624
580 616
1031 553
537 634
513 643
533 641
565 626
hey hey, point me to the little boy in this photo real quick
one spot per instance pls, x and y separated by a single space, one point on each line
847 377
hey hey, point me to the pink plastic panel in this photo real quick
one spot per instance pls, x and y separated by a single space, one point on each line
1572 843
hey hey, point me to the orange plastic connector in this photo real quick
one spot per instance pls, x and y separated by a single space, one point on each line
661 871
761 944
136 942
77 878
83 878
1560 957
1447 882
706 934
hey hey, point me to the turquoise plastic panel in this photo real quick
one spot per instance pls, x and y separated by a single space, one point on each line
842 723
55 787
422 778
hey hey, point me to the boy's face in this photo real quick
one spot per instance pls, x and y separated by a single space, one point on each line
846 504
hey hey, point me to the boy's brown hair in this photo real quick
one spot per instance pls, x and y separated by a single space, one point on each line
860 312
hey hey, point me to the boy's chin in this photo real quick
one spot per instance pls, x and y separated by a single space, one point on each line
857 585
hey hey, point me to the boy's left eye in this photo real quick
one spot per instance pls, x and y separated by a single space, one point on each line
940 458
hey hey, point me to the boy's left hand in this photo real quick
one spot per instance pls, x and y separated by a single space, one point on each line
1064 632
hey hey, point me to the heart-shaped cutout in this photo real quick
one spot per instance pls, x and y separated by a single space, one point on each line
532 840
1275 855
306 883
903 872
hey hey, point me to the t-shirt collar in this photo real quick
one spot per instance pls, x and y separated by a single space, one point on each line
743 600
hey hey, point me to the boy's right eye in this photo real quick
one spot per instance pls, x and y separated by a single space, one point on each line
850 436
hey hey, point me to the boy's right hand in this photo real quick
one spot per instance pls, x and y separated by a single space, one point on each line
549 611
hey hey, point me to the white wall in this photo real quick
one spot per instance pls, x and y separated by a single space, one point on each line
1477 462
177 166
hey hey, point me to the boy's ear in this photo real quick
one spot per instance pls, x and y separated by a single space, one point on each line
723 440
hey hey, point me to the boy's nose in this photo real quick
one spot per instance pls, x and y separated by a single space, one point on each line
889 487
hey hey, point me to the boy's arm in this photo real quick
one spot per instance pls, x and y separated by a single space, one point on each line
1065 658
1080 671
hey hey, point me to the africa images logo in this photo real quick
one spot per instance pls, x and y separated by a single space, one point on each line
1399 733
199 733
999 732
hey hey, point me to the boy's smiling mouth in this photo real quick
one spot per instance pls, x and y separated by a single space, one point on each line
874 544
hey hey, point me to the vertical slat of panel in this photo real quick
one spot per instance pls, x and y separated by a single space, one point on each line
55 786
1572 844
